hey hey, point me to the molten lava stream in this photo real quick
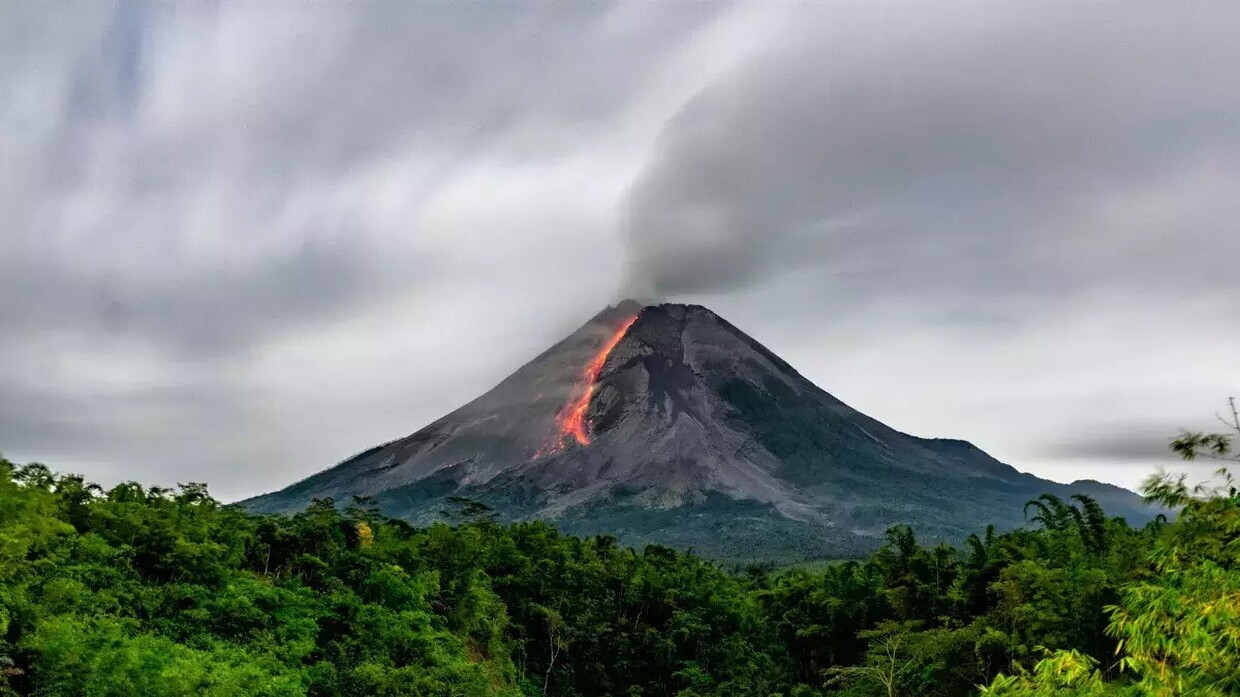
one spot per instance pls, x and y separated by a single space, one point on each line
572 418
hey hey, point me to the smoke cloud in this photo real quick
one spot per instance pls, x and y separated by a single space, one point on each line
950 148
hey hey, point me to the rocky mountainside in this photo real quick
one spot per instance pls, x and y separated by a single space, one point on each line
667 424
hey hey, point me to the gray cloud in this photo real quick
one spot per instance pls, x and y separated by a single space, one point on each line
238 243
1128 453
1141 445
963 149
193 187
190 187
187 189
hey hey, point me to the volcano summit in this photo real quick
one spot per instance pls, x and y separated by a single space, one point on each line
667 424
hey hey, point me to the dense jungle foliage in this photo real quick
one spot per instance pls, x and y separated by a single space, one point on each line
147 591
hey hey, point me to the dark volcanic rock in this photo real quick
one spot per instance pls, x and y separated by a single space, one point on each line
700 438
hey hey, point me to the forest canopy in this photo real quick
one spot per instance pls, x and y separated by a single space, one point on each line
140 590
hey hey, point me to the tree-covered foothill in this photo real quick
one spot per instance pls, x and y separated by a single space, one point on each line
147 591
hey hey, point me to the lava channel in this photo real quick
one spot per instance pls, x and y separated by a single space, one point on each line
571 420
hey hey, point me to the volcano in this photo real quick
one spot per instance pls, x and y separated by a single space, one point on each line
667 424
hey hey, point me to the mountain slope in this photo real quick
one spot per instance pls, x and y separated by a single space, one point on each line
668 424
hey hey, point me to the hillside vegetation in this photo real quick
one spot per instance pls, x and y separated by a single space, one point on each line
146 591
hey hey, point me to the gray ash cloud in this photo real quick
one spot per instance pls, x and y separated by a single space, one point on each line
955 149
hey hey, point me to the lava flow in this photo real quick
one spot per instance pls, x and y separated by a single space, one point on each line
572 418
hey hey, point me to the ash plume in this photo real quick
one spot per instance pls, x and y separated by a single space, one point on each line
963 153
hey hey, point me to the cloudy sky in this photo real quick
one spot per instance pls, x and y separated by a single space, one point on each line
241 242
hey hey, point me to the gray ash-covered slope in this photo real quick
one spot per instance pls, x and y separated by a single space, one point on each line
698 437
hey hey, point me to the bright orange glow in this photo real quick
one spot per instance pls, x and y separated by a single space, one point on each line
572 418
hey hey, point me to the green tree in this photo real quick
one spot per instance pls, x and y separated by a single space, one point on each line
1178 627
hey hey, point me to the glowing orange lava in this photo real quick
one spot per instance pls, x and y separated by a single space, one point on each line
572 418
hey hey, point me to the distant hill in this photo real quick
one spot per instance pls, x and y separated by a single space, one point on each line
667 424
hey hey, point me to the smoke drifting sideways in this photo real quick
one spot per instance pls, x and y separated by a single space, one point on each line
733 192
765 170
957 151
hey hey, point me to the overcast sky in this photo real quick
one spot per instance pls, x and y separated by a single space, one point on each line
240 243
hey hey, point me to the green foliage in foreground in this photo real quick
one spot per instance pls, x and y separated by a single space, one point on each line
1178 626
142 591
